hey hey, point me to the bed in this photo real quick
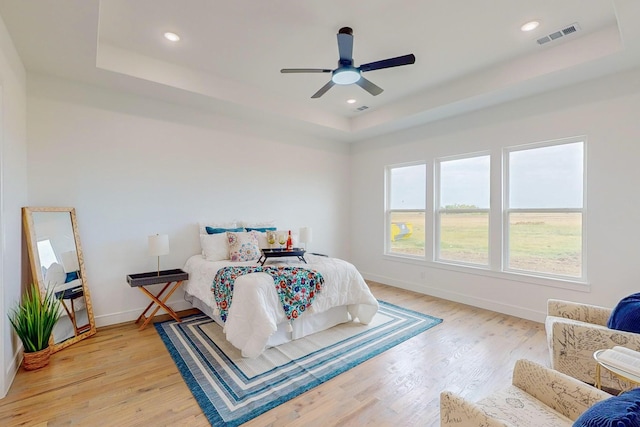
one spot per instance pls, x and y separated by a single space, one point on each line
256 319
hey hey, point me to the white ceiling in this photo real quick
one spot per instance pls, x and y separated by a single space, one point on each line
469 54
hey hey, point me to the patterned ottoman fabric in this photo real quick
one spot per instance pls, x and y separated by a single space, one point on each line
539 397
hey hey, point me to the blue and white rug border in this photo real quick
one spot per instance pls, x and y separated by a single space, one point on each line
216 405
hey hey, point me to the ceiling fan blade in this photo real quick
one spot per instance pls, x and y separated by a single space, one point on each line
323 89
388 63
369 87
345 45
305 70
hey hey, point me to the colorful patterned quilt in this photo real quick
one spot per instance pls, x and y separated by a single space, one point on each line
297 287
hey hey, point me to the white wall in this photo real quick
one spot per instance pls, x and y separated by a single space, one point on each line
133 167
13 195
607 111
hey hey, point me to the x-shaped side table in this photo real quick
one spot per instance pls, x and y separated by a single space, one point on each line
151 278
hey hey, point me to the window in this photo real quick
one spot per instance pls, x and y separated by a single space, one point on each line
462 218
405 210
544 209
533 224
46 253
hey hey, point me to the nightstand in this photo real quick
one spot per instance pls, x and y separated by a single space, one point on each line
141 280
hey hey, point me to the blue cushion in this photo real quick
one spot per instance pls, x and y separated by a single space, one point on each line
261 229
212 230
71 276
626 315
618 411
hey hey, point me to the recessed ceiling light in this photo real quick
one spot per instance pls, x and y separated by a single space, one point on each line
351 101
529 26
171 36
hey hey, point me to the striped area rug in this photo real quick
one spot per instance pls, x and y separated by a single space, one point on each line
231 389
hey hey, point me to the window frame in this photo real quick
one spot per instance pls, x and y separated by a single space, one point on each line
506 210
388 211
438 210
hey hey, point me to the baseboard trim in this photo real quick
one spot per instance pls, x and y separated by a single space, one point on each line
512 310
132 315
12 370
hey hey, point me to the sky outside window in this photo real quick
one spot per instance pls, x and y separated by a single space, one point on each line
408 187
546 177
465 182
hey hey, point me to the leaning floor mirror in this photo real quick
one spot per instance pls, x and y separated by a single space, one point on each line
56 261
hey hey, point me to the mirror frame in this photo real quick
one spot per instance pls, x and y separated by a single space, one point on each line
36 271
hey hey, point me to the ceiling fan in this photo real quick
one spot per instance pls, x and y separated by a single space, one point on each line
346 73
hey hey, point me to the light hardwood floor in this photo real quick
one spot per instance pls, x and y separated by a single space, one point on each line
123 377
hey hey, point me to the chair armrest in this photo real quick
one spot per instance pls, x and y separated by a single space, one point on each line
578 311
581 336
564 394
572 344
455 411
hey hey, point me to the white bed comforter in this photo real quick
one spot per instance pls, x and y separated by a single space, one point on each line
256 310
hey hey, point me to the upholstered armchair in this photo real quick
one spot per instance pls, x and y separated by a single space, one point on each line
575 331
538 397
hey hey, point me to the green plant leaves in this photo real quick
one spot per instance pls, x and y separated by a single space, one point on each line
34 319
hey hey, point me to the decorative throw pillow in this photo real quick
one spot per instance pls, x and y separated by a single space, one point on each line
626 315
215 224
261 229
219 230
215 247
243 246
618 411
262 239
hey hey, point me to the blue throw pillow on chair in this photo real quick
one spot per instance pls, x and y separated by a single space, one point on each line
618 411
626 315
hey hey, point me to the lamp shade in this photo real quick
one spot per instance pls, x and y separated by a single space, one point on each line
305 235
158 245
70 261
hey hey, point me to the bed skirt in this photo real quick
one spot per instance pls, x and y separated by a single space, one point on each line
308 323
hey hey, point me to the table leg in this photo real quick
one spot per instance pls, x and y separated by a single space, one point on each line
160 303
71 315
598 378
79 329
142 288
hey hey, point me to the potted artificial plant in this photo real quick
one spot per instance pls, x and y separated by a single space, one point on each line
33 320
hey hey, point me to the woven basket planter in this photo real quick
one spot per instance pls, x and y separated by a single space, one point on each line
36 360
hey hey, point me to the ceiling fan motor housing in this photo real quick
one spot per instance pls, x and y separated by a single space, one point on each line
345 75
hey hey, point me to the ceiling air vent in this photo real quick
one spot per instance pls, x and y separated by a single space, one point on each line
559 34
364 107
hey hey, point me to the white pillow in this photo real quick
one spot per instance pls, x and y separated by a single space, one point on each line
262 239
55 275
258 224
243 246
215 224
215 247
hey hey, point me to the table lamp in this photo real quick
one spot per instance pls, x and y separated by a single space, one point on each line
159 245
305 236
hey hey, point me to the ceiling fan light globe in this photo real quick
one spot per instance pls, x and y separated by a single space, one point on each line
345 76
